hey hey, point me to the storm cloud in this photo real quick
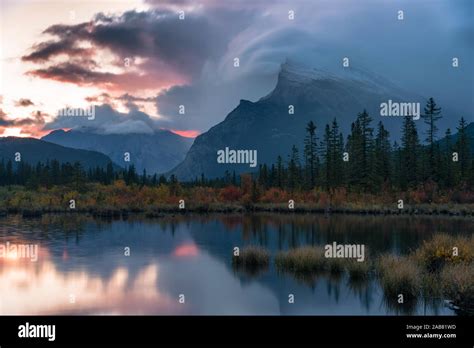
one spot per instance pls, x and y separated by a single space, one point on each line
190 62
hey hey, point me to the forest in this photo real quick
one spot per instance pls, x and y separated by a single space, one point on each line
365 168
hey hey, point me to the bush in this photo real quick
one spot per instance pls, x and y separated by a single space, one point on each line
274 195
230 194
434 254
458 285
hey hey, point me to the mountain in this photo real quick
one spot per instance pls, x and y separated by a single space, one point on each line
454 137
157 152
267 126
33 151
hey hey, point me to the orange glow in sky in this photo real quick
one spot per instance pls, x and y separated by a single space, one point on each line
186 133
186 250
50 95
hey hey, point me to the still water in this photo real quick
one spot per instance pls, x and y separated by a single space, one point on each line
82 267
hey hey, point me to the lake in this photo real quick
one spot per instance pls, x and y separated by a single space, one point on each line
83 265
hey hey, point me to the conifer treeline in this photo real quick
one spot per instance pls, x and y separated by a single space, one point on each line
367 161
55 173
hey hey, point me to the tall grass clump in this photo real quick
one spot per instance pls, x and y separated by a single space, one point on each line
399 275
458 285
301 260
439 251
251 259
358 270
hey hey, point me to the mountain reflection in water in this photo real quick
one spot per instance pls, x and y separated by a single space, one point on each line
82 267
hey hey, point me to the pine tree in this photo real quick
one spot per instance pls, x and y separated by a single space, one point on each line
263 176
397 165
447 160
354 148
410 150
110 173
327 157
367 147
431 116
310 153
462 148
280 173
361 151
294 169
383 149
337 146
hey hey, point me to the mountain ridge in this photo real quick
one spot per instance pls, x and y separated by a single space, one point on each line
34 150
157 152
267 126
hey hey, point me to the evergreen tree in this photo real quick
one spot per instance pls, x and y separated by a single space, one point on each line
383 150
431 116
294 169
462 148
397 159
280 174
410 151
263 177
327 157
310 153
110 173
448 177
337 146
367 147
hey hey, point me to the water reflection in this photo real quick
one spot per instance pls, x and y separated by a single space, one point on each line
83 267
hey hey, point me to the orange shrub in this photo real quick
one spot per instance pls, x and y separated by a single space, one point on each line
202 194
274 195
230 194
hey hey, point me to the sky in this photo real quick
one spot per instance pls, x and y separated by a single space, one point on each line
137 61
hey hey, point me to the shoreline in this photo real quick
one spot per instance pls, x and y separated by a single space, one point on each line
161 211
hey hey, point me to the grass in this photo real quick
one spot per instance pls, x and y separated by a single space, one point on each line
431 271
458 285
438 252
94 197
301 260
251 259
358 270
399 275
312 260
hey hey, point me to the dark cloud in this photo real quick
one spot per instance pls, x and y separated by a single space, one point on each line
46 50
24 102
321 35
74 73
209 4
193 58
206 104
67 44
131 98
3 121
37 119
171 51
102 98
